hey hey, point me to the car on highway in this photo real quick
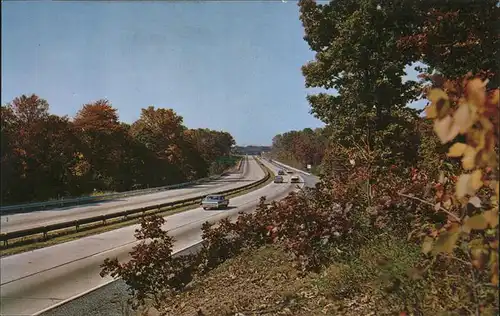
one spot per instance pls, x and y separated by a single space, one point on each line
281 172
294 179
289 171
216 201
278 179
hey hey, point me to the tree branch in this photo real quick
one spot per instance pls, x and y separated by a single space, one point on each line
430 204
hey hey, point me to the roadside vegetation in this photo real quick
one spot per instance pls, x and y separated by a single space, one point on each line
45 156
405 218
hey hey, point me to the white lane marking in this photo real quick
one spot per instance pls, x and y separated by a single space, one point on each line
62 302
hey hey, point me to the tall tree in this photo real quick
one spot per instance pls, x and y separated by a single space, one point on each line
101 134
357 54
161 131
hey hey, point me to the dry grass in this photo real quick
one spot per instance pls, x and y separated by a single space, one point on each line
265 282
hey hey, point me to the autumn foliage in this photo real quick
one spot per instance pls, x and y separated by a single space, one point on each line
300 148
45 156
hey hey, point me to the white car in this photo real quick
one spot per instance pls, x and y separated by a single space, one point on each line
294 179
214 201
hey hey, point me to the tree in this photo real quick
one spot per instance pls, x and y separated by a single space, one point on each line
300 147
38 151
45 156
101 135
451 35
161 131
356 45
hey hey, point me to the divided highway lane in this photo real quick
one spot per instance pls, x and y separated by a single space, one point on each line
251 172
310 180
35 280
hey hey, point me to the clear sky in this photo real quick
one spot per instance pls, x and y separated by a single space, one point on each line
232 66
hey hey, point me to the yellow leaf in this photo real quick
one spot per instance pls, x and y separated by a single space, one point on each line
463 118
445 129
437 94
476 252
495 96
446 242
440 104
476 181
457 150
463 187
476 243
476 91
475 201
469 158
491 217
486 123
427 245
476 222
494 279
430 111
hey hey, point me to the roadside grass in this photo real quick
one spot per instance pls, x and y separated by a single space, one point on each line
265 282
33 242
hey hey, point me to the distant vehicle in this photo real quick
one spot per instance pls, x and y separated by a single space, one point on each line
281 172
289 171
294 179
214 201
278 179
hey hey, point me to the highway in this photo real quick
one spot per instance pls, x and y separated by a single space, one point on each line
310 180
36 280
250 172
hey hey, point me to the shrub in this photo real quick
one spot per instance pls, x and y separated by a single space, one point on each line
152 273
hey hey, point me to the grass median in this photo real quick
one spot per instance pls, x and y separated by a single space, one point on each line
24 244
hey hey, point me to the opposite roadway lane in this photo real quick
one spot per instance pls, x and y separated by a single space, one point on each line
250 172
35 280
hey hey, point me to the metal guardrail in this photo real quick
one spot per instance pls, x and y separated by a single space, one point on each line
5 237
4 210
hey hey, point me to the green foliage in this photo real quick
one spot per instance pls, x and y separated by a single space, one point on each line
370 100
300 148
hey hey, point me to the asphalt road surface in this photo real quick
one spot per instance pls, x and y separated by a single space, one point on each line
250 172
36 280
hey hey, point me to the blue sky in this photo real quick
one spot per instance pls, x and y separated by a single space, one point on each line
231 66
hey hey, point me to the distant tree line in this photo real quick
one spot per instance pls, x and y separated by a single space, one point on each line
300 148
45 156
